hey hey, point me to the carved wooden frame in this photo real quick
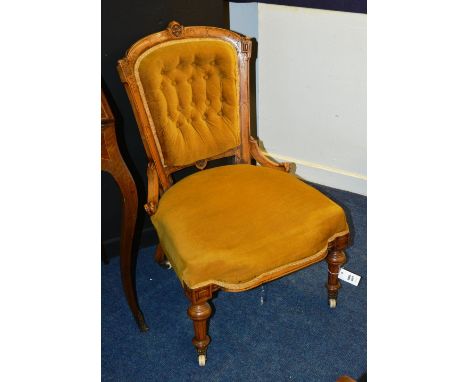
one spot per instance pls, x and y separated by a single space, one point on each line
248 148
160 179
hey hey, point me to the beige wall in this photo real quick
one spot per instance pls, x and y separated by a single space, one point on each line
311 89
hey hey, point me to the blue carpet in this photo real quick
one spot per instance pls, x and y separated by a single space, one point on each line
292 336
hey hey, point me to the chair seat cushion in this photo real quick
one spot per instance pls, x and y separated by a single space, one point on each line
236 226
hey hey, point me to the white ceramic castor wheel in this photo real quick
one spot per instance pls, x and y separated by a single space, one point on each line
201 360
332 303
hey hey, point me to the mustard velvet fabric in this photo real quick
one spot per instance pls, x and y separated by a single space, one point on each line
230 225
190 88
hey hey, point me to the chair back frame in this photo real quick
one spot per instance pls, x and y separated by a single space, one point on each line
126 69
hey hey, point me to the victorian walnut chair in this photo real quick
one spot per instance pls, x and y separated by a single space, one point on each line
232 227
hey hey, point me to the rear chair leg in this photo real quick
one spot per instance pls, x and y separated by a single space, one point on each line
335 259
161 259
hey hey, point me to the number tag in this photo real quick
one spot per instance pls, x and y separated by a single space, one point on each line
349 277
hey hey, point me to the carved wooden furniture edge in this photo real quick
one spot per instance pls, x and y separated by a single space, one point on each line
201 164
260 157
153 189
175 30
338 242
152 152
201 294
106 112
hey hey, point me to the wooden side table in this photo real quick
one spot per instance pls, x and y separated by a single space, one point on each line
113 163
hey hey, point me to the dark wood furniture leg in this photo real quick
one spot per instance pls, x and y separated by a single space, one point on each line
335 259
113 163
200 312
160 258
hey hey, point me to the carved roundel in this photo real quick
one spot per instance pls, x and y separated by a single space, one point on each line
246 45
175 28
201 164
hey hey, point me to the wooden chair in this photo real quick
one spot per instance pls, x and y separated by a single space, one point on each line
233 227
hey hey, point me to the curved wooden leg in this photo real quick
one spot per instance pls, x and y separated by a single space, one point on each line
127 259
113 163
200 311
335 259
161 259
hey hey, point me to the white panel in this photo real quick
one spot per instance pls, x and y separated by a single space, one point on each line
243 18
312 87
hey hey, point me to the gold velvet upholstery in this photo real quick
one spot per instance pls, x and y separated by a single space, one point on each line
232 225
190 92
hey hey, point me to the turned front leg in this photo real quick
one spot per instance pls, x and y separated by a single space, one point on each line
335 260
200 312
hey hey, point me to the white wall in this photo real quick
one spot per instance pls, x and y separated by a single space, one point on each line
243 18
311 89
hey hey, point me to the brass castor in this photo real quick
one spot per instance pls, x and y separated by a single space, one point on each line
332 303
201 360
166 264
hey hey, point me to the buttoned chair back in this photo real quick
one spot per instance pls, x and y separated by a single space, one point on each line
189 91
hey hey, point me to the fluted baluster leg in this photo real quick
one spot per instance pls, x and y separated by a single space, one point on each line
335 260
199 312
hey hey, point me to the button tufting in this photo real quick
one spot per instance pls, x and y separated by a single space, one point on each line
174 83
190 80
204 117
205 77
208 102
192 103
220 112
